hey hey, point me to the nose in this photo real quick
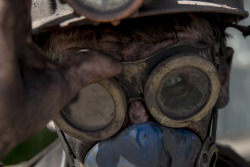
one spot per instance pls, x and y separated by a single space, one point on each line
137 112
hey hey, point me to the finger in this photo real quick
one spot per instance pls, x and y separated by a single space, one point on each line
85 67
14 29
51 87
7 46
15 18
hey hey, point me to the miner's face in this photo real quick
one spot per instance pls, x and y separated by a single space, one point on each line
140 139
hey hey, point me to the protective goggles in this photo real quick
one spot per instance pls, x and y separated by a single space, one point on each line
179 85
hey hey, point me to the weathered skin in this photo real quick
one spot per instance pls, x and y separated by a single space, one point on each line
125 48
33 89
132 50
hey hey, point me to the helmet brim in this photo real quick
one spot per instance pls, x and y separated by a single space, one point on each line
66 18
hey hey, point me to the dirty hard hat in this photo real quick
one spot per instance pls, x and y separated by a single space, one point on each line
47 14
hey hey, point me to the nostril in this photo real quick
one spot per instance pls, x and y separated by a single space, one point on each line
137 112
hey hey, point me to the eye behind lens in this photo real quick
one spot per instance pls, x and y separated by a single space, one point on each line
182 90
172 80
186 95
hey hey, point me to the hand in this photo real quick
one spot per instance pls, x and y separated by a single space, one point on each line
33 89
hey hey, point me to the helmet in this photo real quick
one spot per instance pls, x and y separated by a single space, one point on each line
47 14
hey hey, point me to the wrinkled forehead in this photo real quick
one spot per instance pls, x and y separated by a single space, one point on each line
132 39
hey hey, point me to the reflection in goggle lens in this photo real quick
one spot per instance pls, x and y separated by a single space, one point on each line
183 92
93 110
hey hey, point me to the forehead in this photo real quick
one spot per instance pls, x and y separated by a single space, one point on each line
133 39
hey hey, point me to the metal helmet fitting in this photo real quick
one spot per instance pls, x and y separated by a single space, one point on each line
48 14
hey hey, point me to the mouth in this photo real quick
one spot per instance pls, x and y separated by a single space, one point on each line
146 144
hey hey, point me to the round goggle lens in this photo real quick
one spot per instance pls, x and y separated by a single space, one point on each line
183 92
92 110
105 5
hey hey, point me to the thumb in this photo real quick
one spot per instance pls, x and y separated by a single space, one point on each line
87 66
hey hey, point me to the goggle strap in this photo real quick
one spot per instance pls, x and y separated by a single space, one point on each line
213 124
69 153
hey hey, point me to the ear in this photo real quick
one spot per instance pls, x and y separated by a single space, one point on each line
226 62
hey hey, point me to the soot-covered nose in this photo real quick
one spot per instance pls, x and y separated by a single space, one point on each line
137 112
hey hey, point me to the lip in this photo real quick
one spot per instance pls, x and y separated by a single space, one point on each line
146 144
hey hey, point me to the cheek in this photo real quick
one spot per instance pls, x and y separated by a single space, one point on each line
201 127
